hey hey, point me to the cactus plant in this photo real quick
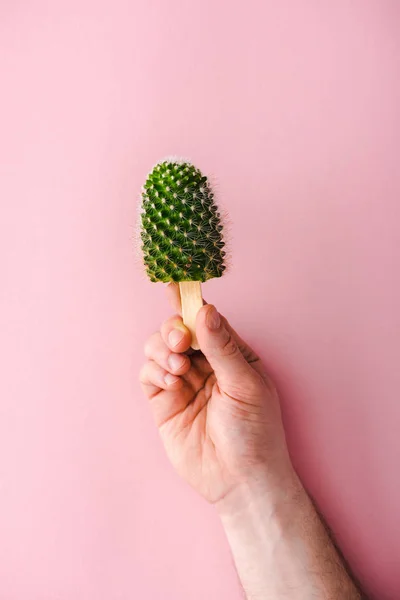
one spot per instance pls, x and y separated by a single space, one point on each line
181 230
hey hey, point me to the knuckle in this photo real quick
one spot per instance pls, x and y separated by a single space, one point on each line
171 322
150 344
143 373
245 388
224 321
229 347
254 387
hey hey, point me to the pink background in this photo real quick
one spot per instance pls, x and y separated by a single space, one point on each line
294 107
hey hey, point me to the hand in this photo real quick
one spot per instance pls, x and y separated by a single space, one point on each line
217 411
218 415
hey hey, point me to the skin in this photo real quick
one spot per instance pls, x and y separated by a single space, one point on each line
219 417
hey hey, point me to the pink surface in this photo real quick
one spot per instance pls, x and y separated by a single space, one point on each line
294 107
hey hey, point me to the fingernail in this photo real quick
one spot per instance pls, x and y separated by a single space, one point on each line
170 379
213 320
175 337
176 361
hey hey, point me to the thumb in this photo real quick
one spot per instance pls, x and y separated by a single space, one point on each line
220 348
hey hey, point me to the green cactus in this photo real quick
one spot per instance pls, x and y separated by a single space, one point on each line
181 230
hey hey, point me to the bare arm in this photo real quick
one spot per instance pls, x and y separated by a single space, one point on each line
280 546
219 417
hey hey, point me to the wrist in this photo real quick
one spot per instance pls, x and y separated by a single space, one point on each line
264 490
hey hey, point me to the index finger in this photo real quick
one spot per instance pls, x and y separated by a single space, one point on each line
175 334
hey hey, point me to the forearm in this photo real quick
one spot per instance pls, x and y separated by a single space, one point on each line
279 544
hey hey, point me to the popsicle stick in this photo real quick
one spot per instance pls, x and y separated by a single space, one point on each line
192 301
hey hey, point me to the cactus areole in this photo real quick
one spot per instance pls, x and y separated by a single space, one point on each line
181 230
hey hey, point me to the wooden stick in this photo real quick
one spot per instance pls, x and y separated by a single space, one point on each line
191 301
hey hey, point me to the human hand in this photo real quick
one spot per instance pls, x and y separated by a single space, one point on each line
218 415
217 410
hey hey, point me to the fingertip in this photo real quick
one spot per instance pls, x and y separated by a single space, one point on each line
172 380
176 335
179 364
179 339
208 317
